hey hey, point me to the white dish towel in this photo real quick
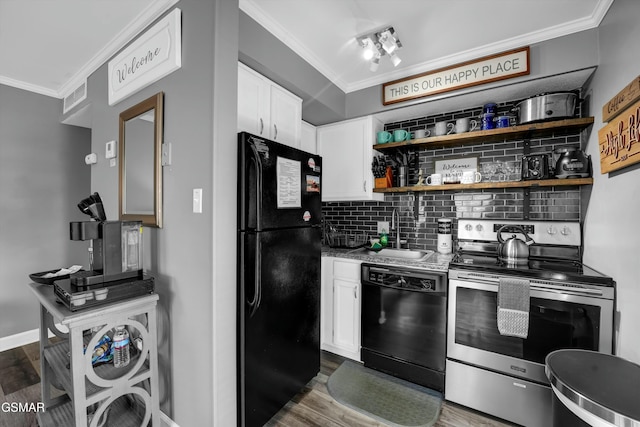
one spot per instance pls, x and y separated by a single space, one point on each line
513 307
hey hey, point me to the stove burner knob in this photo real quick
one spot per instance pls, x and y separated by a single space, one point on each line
551 230
565 231
479 227
468 227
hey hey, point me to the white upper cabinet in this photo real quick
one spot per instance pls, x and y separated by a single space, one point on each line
347 154
308 138
266 109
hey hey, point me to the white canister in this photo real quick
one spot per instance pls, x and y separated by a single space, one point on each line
444 235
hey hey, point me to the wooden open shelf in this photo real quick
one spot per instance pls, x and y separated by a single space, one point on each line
531 130
483 185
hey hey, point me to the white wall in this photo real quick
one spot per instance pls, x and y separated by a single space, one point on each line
611 224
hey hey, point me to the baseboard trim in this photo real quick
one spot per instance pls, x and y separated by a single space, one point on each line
23 338
165 421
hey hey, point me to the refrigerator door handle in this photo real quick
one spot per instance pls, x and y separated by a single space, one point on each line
254 304
255 158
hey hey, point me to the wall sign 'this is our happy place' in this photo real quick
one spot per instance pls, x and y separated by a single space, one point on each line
488 69
155 54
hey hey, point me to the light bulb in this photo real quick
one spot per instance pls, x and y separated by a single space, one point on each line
395 59
368 49
368 53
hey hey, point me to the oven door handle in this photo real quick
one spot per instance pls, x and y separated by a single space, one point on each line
471 279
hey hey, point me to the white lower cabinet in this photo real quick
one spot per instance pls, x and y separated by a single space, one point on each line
341 294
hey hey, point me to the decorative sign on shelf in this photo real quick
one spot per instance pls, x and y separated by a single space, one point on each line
452 169
619 140
505 65
624 98
157 53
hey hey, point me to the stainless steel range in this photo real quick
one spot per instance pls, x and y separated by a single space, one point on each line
569 306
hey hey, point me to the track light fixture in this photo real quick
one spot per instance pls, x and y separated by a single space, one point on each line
380 43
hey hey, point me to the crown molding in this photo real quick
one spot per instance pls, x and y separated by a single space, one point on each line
549 33
18 84
251 8
137 25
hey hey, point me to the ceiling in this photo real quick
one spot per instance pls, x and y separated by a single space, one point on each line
53 51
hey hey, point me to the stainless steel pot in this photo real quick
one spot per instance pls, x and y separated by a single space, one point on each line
514 250
547 106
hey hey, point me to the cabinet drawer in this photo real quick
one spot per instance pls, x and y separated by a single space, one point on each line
515 400
349 270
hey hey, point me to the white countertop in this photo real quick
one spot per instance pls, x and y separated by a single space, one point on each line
437 261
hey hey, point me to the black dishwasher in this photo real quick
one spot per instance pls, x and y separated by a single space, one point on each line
404 315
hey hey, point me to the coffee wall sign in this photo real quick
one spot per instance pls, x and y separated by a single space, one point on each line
619 141
505 65
155 54
624 98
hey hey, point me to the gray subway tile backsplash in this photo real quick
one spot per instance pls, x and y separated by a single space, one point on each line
419 226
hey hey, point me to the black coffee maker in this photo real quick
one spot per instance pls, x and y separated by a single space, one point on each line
116 246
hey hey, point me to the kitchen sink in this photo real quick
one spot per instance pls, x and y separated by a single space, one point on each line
409 254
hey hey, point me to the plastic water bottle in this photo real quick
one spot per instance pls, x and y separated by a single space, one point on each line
121 355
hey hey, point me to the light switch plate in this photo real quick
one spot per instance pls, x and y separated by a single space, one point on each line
110 150
197 200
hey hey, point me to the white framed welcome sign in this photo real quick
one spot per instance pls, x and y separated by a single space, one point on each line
155 54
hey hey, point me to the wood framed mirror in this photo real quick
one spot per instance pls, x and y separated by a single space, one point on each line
140 152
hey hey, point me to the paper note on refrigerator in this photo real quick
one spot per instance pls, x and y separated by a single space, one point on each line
288 173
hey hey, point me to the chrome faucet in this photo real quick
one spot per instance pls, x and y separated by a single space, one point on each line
395 214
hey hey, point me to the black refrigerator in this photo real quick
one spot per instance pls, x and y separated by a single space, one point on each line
279 231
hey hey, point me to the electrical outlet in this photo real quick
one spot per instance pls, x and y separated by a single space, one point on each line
383 226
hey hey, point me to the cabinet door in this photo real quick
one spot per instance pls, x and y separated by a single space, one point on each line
286 117
308 138
326 303
253 102
346 153
346 315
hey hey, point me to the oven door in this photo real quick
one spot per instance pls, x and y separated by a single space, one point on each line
557 319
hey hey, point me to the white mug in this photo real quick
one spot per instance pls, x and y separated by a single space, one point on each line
462 125
444 128
434 179
471 177
421 133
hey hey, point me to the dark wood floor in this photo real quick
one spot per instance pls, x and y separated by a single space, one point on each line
314 406
20 382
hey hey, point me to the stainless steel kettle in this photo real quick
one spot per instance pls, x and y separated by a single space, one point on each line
514 250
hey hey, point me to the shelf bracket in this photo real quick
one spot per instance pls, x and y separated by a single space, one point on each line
526 149
526 203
